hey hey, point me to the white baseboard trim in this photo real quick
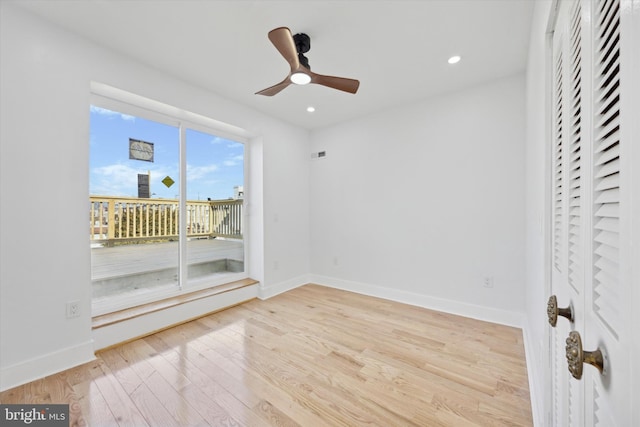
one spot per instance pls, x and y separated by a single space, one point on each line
503 317
146 324
535 377
278 288
48 364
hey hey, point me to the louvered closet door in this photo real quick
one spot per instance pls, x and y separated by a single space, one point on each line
567 205
591 208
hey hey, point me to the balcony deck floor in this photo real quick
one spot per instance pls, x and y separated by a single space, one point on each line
108 262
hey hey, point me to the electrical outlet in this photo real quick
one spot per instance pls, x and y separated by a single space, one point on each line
73 309
488 282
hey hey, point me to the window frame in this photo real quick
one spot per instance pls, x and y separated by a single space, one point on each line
114 99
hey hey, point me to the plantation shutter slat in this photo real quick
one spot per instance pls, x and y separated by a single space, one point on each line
604 9
607 57
609 94
604 277
574 154
607 14
607 224
608 238
608 210
606 164
609 143
611 154
574 187
607 130
608 197
609 168
558 165
607 183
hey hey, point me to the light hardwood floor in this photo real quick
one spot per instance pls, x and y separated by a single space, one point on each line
313 356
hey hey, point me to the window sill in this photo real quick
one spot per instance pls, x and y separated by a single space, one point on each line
163 304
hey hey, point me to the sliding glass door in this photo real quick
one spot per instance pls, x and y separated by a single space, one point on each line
214 209
166 206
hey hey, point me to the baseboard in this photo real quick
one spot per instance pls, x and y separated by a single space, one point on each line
278 288
48 364
503 317
535 377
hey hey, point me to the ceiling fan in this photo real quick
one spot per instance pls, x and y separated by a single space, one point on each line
293 48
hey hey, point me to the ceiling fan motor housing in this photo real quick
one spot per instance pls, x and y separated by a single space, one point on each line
303 44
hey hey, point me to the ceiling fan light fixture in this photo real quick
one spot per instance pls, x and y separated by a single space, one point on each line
300 78
292 49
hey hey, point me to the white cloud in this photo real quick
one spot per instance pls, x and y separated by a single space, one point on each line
199 172
230 143
114 180
122 180
109 113
234 160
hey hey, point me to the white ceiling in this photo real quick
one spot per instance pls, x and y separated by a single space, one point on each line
397 49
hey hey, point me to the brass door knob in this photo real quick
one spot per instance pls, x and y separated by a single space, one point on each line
576 356
553 311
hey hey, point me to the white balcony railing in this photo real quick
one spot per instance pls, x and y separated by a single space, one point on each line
121 219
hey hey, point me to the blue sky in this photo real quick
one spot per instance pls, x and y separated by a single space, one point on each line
214 164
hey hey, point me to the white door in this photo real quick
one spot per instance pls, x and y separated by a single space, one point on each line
568 198
592 116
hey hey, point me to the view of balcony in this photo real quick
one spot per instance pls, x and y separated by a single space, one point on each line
135 245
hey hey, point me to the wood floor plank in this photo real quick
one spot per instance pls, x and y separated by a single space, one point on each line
120 403
38 391
151 408
13 396
286 398
273 415
313 356
122 369
209 410
217 396
206 360
174 402
92 406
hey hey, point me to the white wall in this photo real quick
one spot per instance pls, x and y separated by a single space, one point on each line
45 79
420 203
537 220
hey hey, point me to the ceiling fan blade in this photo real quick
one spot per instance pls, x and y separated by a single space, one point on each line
283 41
270 91
340 83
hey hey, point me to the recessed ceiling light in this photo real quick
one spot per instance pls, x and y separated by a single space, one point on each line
454 59
311 109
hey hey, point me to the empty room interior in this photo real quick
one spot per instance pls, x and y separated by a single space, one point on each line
310 213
